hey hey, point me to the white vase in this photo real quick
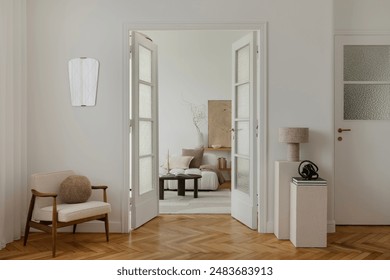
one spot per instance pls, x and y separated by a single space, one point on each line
200 140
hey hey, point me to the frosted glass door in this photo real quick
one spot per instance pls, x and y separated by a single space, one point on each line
362 130
366 82
244 192
144 161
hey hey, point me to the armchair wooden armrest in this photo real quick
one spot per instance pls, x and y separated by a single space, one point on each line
104 188
41 194
99 187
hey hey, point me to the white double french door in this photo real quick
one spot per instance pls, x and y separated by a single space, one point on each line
144 130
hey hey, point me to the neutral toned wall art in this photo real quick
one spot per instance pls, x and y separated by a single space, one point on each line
220 122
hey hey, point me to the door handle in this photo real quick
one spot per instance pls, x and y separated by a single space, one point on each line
343 129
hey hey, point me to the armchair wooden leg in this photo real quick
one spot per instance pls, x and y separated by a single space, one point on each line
54 226
74 228
54 240
29 216
107 227
26 232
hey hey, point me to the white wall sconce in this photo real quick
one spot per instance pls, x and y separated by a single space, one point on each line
293 136
83 78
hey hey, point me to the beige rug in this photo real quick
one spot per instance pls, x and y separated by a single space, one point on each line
208 202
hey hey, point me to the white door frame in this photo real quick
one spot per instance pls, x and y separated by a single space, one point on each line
262 144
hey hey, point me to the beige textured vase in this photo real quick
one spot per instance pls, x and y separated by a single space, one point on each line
200 140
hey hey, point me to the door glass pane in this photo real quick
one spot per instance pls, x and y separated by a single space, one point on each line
243 65
366 63
242 101
130 89
145 64
242 138
366 102
145 175
145 138
145 101
242 177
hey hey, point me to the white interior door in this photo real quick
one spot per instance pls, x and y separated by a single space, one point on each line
362 146
144 131
244 192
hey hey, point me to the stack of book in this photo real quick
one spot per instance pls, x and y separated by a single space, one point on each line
299 181
172 175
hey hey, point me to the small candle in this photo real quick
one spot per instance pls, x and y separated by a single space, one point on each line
168 160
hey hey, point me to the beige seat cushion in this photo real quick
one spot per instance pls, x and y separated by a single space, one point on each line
71 212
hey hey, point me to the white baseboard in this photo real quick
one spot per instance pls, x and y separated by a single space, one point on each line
270 227
331 226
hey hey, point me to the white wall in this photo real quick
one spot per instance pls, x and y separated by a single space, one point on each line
361 15
89 140
300 84
194 67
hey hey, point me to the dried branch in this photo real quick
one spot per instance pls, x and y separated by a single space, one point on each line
198 115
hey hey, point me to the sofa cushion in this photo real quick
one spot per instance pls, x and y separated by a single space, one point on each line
181 162
197 154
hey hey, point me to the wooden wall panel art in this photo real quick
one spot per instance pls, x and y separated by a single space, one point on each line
219 122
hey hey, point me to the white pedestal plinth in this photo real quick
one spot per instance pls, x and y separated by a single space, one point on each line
284 171
308 215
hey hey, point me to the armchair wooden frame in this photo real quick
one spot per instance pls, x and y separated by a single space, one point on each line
52 226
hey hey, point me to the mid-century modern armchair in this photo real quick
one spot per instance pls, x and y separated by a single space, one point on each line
47 212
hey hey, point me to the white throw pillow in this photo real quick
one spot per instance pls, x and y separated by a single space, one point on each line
182 162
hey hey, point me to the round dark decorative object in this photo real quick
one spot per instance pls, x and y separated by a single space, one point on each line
308 170
75 189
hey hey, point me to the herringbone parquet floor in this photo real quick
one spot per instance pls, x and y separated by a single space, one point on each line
214 237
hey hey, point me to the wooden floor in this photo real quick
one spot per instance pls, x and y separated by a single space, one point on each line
214 237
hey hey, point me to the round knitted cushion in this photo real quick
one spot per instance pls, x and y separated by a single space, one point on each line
75 189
